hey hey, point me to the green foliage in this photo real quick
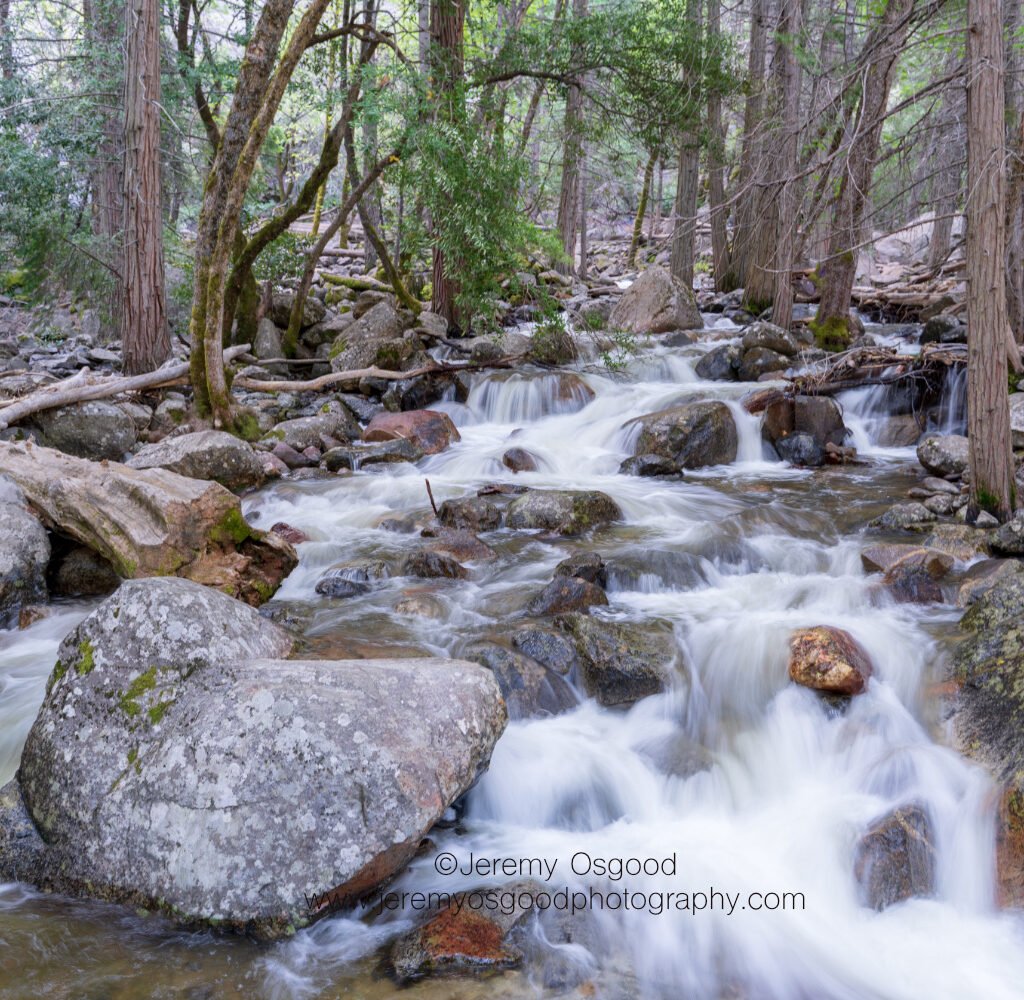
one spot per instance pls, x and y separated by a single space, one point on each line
623 348
284 258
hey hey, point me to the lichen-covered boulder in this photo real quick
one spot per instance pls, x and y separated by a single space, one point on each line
828 659
333 423
24 553
95 430
178 764
690 436
656 303
565 512
212 455
944 454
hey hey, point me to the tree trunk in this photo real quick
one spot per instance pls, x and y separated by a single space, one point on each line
6 41
447 22
1015 236
641 210
836 274
568 200
988 412
720 257
145 338
790 29
584 250
684 221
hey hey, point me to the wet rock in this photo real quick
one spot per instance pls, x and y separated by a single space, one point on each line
1008 538
519 460
801 449
291 458
302 788
720 364
690 436
529 689
943 330
565 512
458 543
899 431
878 558
306 432
82 573
941 504
418 393
914 578
470 513
210 455
554 650
313 310
983 576
566 593
895 859
944 454
648 466
903 517
961 541
656 303
771 337
24 554
620 663
352 579
430 564
429 430
420 605
759 361
463 940
828 659
382 453
587 566
95 430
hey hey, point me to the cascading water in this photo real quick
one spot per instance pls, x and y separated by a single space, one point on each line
752 784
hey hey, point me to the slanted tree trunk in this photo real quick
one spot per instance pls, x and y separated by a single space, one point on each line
883 46
988 412
572 151
145 339
790 29
641 210
447 22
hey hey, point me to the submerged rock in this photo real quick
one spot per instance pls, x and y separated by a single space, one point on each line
895 859
357 456
519 460
656 303
914 578
944 454
620 663
24 554
429 430
828 659
565 512
690 436
173 765
211 455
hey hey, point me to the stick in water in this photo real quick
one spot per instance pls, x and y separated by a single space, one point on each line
430 493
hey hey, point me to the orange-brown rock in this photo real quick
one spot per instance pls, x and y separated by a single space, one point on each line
431 430
828 659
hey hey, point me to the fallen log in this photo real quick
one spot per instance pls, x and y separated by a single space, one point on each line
78 388
151 522
356 284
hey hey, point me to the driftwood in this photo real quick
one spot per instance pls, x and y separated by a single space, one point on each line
356 284
867 366
151 522
84 385
356 375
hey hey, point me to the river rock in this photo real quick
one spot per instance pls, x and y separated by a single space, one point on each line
519 460
564 512
458 543
24 554
430 564
95 430
466 939
720 364
151 522
529 689
357 455
903 517
352 579
335 422
772 337
554 650
878 558
690 436
566 593
212 455
828 659
587 566
80 572
656 303
944 454
470 513
760 361
938 327
1008 538
914 578
895 859
818 417
648 466
429 430
619 663
801 449
230 789
983 576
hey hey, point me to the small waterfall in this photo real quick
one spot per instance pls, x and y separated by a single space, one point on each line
951 414
525 398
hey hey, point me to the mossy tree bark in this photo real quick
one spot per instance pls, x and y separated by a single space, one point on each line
988 410
641 210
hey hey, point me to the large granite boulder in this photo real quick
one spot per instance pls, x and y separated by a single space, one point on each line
24 554
656 303
212 455
564 512
176 763
817 417
689 436
944 454
95 430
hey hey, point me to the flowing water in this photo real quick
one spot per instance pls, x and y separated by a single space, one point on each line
752 784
